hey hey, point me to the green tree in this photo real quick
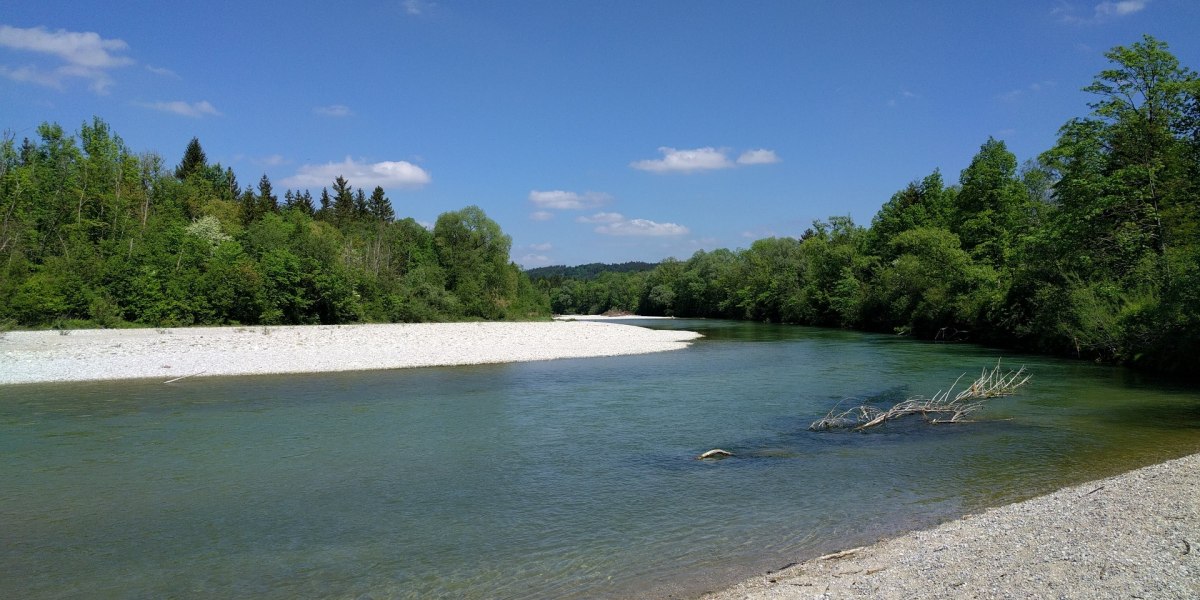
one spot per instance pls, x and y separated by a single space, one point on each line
473 251
992 207
379 207
194 161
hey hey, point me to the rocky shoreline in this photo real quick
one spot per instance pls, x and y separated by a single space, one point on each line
106 354
1135 535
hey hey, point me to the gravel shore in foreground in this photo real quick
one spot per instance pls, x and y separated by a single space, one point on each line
101 354
1135 535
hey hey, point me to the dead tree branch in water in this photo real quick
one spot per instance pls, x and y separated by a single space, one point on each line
941 408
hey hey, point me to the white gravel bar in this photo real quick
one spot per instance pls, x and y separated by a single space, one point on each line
101 354
1136 535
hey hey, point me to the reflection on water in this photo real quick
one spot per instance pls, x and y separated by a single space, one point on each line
572 478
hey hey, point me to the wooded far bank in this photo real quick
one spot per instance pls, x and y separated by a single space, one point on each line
1091 249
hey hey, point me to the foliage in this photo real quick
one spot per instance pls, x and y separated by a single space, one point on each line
91 233
1089 250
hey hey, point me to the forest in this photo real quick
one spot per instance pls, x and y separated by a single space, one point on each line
1091 249
92 234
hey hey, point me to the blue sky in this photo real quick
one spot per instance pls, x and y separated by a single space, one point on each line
602 131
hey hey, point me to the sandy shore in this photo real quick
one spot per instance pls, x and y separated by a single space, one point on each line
1136 535
99 354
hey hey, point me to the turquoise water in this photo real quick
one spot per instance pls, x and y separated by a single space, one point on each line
560 479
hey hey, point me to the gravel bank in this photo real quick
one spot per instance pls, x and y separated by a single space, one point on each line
98 354
1136 535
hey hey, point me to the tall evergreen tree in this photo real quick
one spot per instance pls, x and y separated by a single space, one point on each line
267 202
379 207
194 160
343 201
304 202
325 212
231 184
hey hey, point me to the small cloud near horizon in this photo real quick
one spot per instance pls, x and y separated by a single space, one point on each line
194 110
707 158
564 200
617 225
1103 11
386 174
165 72
334 110
758 157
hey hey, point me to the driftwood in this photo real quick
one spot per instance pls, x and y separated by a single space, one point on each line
715 453
941 408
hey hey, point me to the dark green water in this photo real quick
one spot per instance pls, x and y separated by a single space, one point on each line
561 479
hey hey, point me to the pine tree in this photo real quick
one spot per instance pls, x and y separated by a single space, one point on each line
267 202
343 201
193 160
360 204
305 203
231 183
249 205
379 207
325 213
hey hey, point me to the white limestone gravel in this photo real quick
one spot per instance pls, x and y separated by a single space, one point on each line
100 354
1136 535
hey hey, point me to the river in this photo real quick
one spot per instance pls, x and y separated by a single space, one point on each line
561 479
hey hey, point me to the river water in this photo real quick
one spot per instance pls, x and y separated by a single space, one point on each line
560 479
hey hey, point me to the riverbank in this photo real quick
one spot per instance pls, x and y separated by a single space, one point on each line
104 354
1135 535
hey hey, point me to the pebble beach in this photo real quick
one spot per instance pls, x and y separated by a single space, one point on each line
106 354
1135 535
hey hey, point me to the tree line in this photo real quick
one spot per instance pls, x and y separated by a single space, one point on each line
92 234
1091 249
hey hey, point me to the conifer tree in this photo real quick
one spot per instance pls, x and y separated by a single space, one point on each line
305 203
325 213
267 202
343 201
379 207
193 160
360 204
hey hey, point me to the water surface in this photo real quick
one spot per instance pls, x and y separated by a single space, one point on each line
560 479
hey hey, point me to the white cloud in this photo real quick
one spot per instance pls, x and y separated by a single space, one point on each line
685 161
194 110
86 49
642 227
86 54
608 223
702 159
1120 9
534 259
416 7
32 75
386 173
165 72
334 110
602 217
1104 11
758 157
541 215
562 200
546 247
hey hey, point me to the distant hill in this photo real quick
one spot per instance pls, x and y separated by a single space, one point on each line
587 272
